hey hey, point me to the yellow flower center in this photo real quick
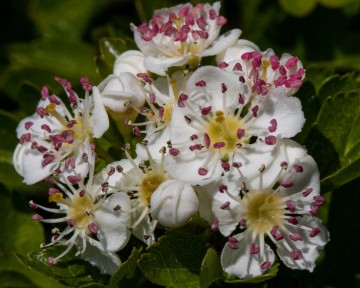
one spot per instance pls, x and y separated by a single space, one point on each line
80 132
80 208
168 112
264 210
224 129
149 184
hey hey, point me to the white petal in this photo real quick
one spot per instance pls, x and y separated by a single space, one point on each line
99 119
145 227
221 43
130 61
309 178
308 245
160 64
146 47
94 253
228 218
206 197
113 219
215 78
185 167
240 262
156 141
36 130
29 163
117 90
234 52
173 203
285 110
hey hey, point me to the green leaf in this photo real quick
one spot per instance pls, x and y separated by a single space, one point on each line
298 8
128 274
335 84
211 270
19 233
264 277
57 56
68 18
335 3
337 121
174 261
70 270
93 285
341 176
15 279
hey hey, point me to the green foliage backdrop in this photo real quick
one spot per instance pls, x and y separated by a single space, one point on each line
41 39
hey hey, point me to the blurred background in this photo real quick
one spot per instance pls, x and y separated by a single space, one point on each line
41 39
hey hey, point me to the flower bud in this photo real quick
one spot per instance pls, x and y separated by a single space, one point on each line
121 92
129 61
173 203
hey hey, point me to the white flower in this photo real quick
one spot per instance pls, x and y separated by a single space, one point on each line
89 213
151 190
131 61
161 95
279 203
173 203
264 71
119 91
52 140
218 125
182 35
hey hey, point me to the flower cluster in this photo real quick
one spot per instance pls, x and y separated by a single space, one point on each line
212 141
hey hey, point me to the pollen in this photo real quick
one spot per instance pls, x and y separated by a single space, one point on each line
168 112
80 212
264 210
149 184
223 128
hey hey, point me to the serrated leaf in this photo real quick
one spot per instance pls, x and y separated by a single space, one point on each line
70 270
341 176
298 8
264 277
335 84
128 274
174 261
336 122
211 270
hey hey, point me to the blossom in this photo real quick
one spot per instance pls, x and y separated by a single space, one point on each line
279 203
131 61
263 70
52 140
89 214
218 126
182 35
160 95
121 92
152 191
